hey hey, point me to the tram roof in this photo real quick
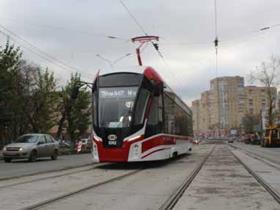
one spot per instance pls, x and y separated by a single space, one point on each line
152 74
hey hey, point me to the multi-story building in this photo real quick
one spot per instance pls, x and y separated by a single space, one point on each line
222 108
196 114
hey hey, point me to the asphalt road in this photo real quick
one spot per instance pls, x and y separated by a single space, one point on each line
148 189
222 183
23 167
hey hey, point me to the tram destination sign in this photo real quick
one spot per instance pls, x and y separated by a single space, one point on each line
125 92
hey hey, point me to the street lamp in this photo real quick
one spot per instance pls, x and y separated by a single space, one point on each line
110 62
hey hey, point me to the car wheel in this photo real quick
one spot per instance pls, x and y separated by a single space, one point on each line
33 156
7 160
54 156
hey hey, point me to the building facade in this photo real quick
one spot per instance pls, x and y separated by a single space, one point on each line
222 108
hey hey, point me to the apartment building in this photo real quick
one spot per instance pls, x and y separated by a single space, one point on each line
222 108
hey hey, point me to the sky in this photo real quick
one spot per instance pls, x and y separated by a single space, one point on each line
67 35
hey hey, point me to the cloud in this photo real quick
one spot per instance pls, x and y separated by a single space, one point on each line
74 31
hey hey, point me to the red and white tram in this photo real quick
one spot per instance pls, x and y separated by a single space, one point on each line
136 117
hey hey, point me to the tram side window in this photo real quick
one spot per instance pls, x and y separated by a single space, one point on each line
169 115
190 125
94 109
154 123
181 121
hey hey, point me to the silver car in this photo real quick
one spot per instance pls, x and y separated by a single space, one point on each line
31 146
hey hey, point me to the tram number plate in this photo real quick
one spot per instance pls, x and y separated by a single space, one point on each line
112 142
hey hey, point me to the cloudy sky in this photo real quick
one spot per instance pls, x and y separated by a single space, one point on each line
68 34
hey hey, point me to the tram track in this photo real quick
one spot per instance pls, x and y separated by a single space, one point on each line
259 179
83 169
258 157
44 172
47 202
177 194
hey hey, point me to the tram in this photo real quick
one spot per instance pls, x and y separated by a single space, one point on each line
137 117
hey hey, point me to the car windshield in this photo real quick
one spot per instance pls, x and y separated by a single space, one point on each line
27 139
115 106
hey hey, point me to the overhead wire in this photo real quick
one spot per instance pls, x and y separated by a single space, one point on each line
155 45
41 56
38 49
107 36
216 41
134 18
38 52
33 51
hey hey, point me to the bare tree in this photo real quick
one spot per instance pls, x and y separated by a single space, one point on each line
267 74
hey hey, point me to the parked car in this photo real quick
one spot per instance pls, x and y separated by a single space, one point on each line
31 147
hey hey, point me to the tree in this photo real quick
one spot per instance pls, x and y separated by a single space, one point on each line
28 97
267 74
250 122
75 108
10 59
41 99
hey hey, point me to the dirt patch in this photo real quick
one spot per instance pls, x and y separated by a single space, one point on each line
211 190
238 176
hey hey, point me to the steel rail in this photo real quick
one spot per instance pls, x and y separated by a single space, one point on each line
81 190
177 194
44 172
52 176
260 180
258 157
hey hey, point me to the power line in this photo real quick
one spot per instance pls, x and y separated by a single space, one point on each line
38 51
155 45
33 51
134 18
32 24
216 41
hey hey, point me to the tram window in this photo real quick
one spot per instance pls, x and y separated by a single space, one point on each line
160 109
154 114
177 121
154 124
141 106
169 115
115 106
94 111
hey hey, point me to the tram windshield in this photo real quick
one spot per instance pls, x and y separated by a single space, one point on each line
116 106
